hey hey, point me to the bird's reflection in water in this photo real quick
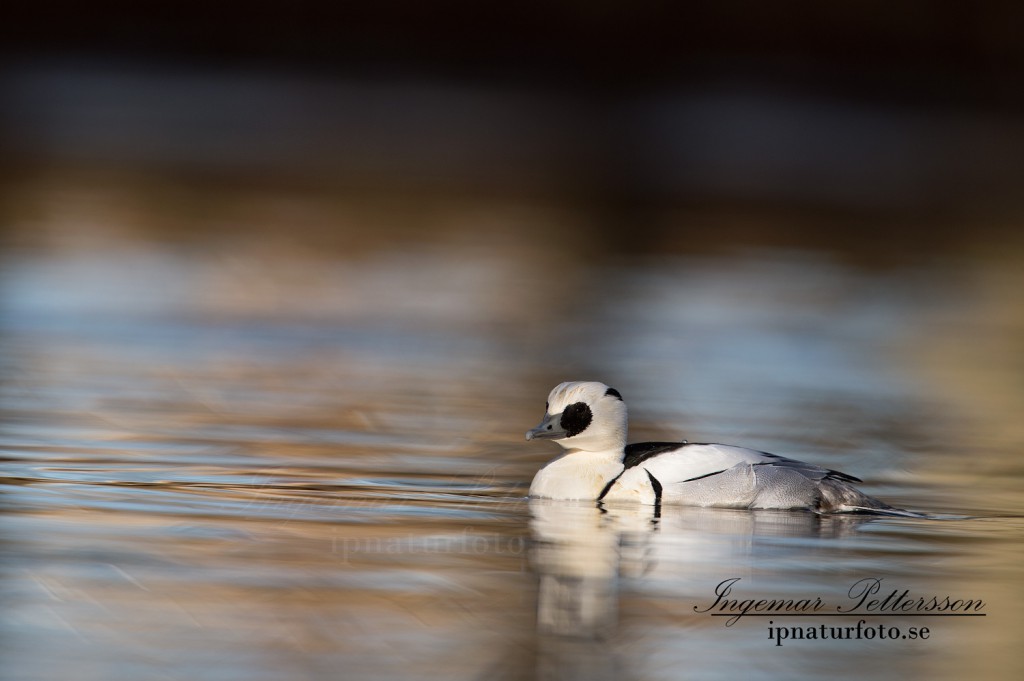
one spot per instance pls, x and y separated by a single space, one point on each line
581 550
576 554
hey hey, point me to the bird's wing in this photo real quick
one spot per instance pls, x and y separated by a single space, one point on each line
687 462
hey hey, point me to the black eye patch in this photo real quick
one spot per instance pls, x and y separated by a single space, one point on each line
575 418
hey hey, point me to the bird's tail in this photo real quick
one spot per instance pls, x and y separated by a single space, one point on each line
838 496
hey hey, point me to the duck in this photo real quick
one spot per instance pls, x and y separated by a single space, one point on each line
588 420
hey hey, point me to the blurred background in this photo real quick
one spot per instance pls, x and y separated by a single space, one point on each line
879 130
273 269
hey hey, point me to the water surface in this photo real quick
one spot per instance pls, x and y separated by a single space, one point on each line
231 462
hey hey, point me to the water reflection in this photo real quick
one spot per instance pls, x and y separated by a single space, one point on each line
615 582
581 549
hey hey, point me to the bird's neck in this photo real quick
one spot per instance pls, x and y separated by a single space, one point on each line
591 456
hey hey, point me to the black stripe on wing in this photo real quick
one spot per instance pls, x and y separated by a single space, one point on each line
839 475
656 486
608 487
706 475
639 452
808 470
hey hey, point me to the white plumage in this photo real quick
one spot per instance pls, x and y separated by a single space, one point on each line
588 420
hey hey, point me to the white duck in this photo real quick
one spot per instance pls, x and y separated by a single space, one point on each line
588 420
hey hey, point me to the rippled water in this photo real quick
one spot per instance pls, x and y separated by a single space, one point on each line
223 464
